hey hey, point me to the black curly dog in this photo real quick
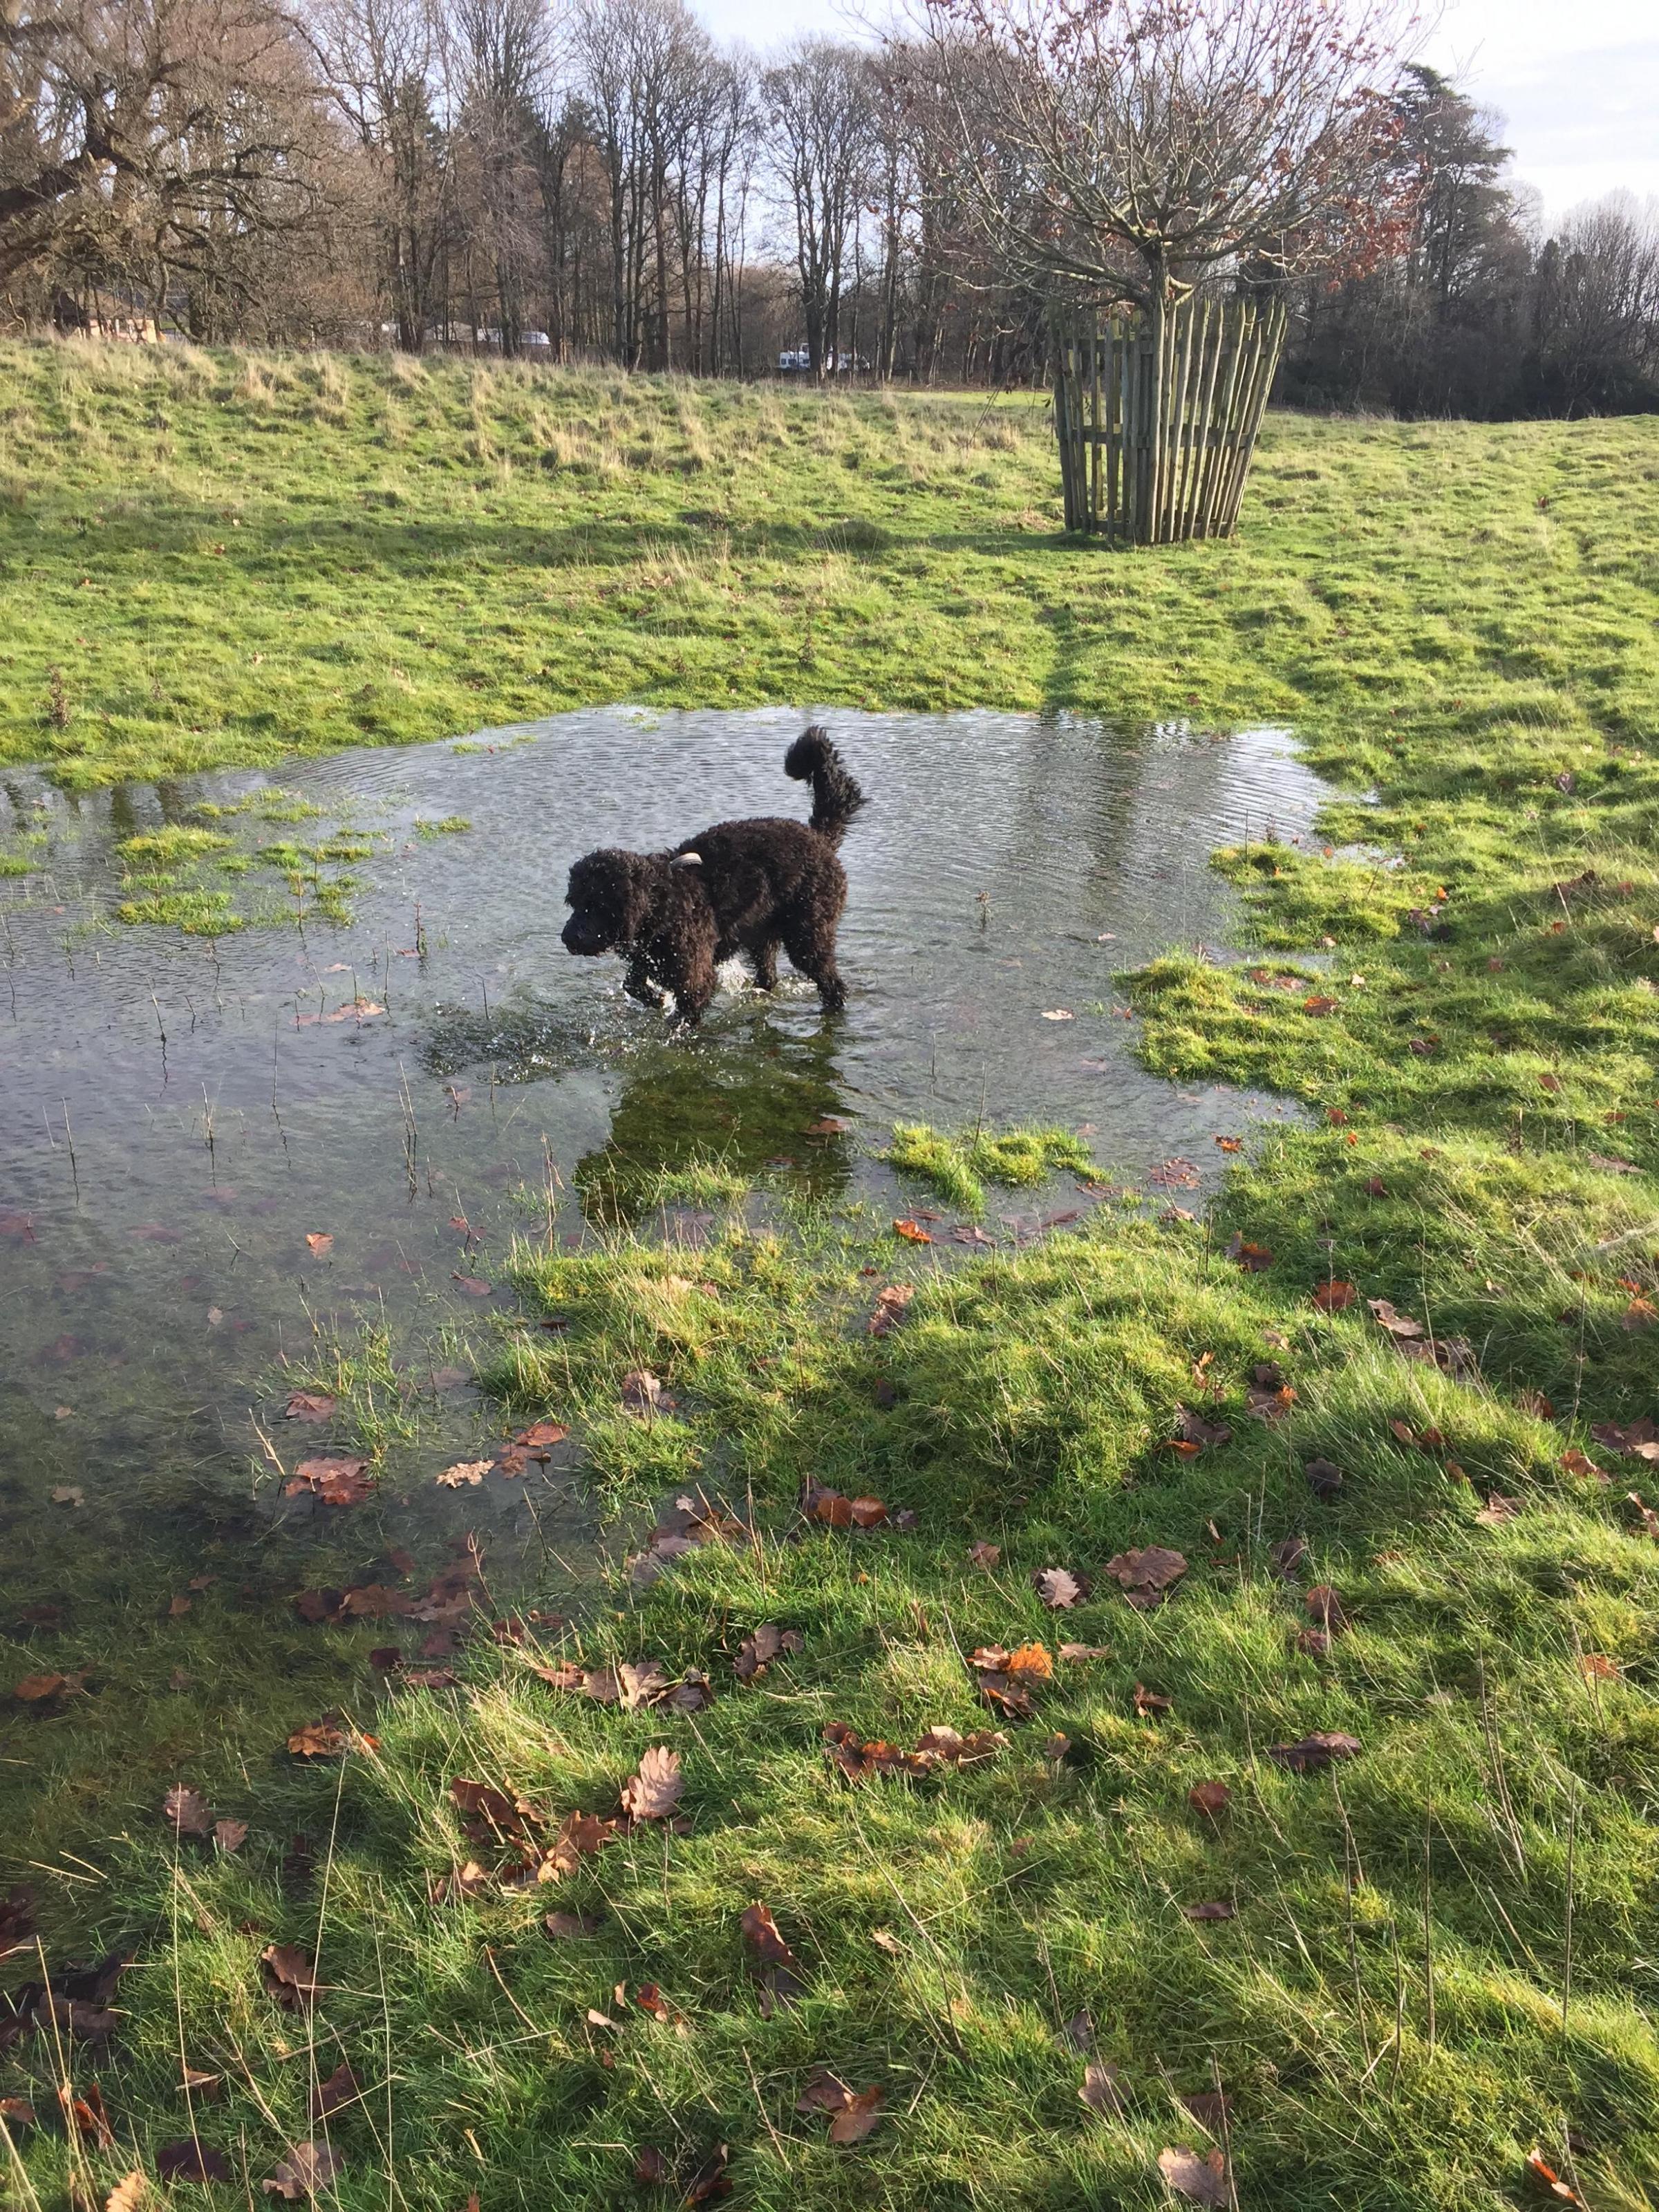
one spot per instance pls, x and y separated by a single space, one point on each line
739 887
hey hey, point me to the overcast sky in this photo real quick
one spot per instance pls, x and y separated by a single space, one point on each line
1576 81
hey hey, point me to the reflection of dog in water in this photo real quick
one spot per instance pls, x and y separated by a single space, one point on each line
748 887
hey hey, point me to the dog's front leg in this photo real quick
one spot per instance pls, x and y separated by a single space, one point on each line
640 984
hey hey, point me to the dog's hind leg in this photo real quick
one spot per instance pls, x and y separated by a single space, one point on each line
810 941
766 964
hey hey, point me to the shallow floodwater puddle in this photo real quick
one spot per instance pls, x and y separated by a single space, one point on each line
216 1153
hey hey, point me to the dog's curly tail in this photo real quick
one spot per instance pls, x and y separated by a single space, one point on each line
836 796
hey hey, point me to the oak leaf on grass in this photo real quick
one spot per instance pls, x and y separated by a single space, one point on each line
308 2168
656 1790
1200 2180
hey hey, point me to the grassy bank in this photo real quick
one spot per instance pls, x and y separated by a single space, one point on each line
1409 1955
216 559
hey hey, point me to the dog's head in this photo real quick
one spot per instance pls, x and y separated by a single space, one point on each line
610 895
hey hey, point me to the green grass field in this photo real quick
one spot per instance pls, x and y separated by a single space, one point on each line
1423 1958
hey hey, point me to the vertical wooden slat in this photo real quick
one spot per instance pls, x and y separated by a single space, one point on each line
1215 466
1205 423
1248 352
1175 427
1272 340
1264 360
1114 388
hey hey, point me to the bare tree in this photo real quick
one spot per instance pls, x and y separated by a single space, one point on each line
1132 147
819 105
146 142
379 59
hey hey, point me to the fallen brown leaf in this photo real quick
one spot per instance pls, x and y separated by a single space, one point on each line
341 2088
1152 1701
858 2118
1058 1588
289 1976
336 1482
642 1392
889 1308
191 2160
308 2168
984 1555
1323 1605
187 1809
1100 2091
1202 2180
1324 1478
1335 1298
464 1471
1214 1908
318 1241
309 1405
1252 1258
1209 1798
129 2194
913 1232
1084 1651
570 1927
710 2180
317 1740
1401 1327
1563 2191
1312 1753
655 1790
1146 1575
759 1650
86 2115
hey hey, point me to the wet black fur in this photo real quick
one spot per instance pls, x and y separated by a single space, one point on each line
754 887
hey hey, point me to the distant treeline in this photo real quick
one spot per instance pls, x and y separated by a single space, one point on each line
1486 313
613 184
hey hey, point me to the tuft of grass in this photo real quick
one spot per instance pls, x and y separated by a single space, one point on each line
958 1168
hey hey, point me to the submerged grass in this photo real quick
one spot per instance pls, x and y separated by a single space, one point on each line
1438 1957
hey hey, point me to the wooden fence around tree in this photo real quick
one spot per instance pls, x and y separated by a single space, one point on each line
1156 449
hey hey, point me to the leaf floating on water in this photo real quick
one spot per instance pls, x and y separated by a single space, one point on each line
913 1232
68 1493
319 1241
336 1482
464 1471
309 1405
1175 1175
473 1285
1059 1014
